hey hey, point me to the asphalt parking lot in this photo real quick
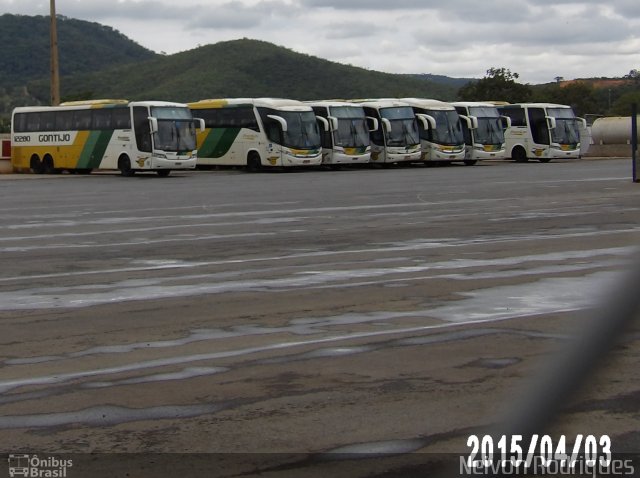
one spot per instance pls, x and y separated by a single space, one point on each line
280 316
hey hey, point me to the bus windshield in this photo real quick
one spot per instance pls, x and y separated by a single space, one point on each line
404 129
448 129
302 130
566 130
489 125
352 129
176 129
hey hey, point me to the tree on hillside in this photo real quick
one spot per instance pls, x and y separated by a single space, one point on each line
633 75
499 84
622 106
580 96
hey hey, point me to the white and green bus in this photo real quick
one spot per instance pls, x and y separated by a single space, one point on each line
344 131
257 133
483 128
397 139
441 135
542 131
104 134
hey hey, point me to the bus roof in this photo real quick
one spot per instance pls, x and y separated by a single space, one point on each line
333 103
94 102
380 102
483 104
427 103
534 105
89 104
275 103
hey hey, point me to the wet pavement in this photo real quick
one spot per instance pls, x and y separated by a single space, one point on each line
314 313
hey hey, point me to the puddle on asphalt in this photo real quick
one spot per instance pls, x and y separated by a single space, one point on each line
189 372
534 298
104 416
391 447
153 288
494 363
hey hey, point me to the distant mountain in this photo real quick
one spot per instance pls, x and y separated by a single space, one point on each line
457 83
97 61
83 47
244 68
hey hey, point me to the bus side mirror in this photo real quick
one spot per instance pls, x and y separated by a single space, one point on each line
386 124
333 123
324 122
372 124
201 124
472 121
281 120
428 122
153 124
551 122
506 122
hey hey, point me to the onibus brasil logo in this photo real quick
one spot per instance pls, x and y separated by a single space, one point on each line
34 466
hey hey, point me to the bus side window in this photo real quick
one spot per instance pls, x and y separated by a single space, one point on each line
248 118
207 116
64 120
102 119
142 128
20 122
516 115
273 132
48 121
33 122
121 118
82 120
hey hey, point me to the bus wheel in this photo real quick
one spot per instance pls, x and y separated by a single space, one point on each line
470 162
253 162
519 155
124 165
36 165
47 165
163 173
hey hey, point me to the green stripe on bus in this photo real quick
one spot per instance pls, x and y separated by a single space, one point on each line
94 149
218 142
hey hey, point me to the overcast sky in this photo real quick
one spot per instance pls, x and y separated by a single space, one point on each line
538 39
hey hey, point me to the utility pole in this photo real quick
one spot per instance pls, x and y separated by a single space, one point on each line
634 143
55 73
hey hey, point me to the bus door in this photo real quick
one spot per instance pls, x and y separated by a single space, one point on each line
274 126
376 135
539 126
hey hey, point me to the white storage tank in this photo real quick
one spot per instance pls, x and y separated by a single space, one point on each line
612 130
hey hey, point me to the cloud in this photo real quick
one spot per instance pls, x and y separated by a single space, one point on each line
454 38
371 5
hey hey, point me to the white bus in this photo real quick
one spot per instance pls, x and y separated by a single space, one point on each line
441 135
257 133
483 128
104 134
542 131
396 139
344 131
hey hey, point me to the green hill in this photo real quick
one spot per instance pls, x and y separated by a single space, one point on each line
83 47
242 68
97 61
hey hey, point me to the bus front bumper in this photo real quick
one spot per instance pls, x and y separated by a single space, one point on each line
172 163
